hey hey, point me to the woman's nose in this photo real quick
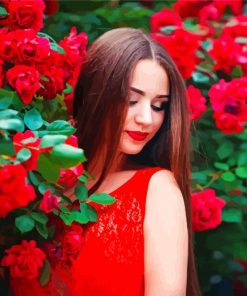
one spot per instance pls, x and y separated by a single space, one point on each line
144 114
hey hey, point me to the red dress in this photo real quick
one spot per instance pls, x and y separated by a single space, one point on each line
111 260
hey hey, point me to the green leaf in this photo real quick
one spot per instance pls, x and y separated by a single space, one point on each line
6 147
64 209
200 78
42 229
199 177
68 89
33 119
44 35
23 155
91 213
81 192
102 198
67 156
45 273
221 166
35 178
240 200
52 140
43 186
60 127
242 158
47 168
80 217
56 47
6 97
40 217
9 113
232 215
241 172
67 218
83 179
237 72
15 124
228 177
225 150
168 29
3 11
24 223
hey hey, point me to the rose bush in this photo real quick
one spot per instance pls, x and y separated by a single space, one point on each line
39 155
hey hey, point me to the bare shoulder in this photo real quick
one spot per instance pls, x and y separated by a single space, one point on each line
165 237
161 185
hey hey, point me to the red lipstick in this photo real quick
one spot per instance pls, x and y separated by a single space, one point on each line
137 136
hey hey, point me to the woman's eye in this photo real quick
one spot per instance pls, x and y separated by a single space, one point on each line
159 106
131 103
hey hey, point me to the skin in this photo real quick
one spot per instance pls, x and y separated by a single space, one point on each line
165 225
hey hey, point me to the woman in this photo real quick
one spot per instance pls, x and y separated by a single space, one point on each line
131 110
133 123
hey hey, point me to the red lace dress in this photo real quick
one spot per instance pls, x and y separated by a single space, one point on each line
111 261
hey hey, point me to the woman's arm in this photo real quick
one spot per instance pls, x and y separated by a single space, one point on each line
165 238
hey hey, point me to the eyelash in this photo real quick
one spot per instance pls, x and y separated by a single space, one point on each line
155 108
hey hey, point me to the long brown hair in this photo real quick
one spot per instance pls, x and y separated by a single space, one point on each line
100 106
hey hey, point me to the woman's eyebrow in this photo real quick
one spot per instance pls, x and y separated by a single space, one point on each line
141 92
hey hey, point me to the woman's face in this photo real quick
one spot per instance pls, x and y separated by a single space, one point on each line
149 91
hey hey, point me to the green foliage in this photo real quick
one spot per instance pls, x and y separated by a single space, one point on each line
24 223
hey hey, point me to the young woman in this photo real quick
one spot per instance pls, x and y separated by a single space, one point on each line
133 122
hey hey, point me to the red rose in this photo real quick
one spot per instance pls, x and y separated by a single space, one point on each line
14 191
197 102
228 123
32 145
228 101
1 74
72 242
75 48
236 6
226 52
25 80
26 14
190 8
24 260
49 202
7 46
236 26
52 84
181 44
51 7
69 176
29 48
206 209
164 18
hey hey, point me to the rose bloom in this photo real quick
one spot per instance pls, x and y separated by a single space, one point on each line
206 209
190 8
163 18
197 102
228 123
228 101
29 48
49 202
182 46
7 46
26 14
1 74
15 192
72 242
53 84
32 145
226 53
236 26
25 80
24 260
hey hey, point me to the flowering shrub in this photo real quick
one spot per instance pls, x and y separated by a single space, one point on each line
207 40
39 155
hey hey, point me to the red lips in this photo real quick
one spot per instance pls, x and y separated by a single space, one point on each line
137 136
